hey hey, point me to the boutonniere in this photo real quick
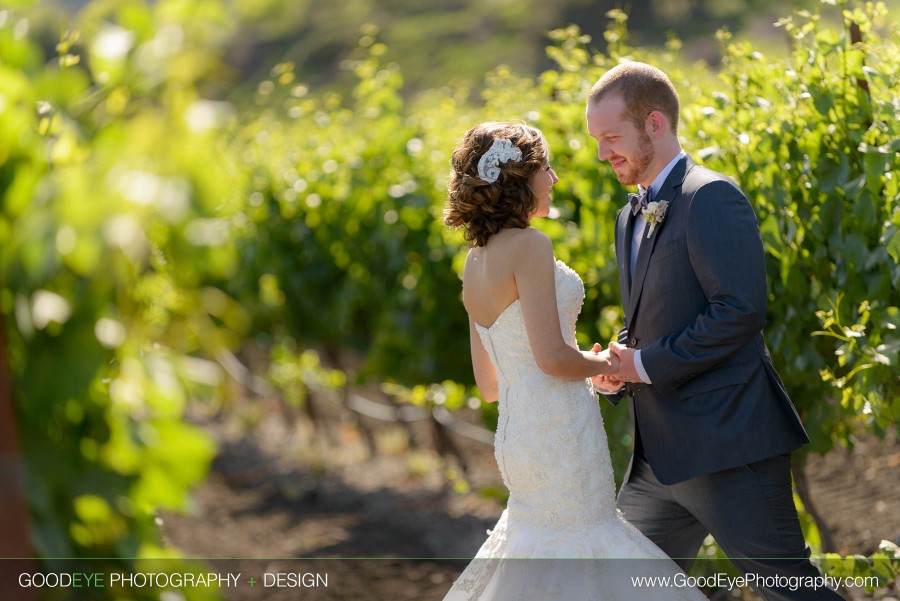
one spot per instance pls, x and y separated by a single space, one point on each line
655 214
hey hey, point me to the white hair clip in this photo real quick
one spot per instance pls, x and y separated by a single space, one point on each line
501 150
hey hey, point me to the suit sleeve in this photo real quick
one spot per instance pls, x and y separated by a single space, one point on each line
726 254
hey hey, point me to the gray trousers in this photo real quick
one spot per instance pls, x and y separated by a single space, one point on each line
750 512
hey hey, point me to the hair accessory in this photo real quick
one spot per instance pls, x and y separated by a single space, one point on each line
501 151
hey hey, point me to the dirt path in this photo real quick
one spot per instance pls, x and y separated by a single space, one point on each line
281 491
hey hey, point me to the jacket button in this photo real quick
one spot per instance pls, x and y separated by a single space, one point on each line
632 341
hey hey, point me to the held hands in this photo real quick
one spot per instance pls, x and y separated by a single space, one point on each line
608 361
606 383
626 372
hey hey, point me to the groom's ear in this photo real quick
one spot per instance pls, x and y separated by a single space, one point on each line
656 123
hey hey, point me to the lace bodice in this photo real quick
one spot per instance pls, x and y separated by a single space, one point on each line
550 445
509 350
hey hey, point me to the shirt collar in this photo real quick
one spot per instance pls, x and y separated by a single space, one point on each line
661 177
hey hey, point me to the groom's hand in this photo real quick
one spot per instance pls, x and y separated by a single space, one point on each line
627 371
605 384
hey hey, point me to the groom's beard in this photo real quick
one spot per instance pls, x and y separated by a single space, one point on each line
639 163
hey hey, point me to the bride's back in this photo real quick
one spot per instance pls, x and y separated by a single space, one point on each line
489 283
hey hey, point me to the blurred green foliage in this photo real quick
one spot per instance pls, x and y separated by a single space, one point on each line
823 178
452 41
446 41
114 215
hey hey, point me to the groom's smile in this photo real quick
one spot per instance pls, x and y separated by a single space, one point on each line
628 149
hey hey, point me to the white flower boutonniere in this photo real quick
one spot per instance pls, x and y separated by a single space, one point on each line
655 214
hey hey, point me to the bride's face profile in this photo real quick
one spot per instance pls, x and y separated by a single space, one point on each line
542 183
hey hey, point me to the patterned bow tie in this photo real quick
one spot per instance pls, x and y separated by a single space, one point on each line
638 202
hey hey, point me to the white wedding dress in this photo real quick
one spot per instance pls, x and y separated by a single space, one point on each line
560 537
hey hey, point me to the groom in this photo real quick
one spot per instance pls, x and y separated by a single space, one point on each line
714 427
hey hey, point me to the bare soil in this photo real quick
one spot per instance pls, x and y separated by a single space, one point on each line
373 508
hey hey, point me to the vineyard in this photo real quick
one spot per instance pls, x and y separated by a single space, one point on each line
174 256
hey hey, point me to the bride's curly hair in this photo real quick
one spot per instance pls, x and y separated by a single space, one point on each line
481 208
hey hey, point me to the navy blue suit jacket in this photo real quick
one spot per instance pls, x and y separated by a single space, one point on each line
696 306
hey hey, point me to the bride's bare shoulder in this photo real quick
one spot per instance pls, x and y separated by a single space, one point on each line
530 245
526 242
511 249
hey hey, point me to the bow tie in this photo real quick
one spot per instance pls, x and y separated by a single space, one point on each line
638 201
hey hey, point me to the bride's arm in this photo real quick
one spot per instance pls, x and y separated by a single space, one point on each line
535 275
485 375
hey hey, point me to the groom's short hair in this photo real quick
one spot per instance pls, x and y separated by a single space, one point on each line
644 89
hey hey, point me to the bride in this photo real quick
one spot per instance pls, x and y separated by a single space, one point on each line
550 443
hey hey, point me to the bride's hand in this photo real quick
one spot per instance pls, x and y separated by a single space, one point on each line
607 383
609 366
611 361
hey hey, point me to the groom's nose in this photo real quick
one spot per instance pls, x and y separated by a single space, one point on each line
603 152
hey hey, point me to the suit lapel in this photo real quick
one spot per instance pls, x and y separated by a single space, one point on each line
671 191
624 225
640 269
